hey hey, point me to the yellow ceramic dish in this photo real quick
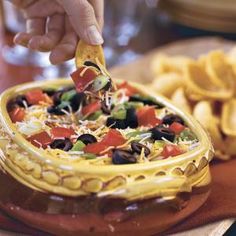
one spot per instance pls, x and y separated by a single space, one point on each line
42 173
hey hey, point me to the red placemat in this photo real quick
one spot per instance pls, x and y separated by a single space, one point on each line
222 201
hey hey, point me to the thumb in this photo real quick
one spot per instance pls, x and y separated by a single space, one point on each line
83 20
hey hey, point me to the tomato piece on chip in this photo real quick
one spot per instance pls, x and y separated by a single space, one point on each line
82 77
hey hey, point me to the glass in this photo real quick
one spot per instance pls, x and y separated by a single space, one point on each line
123 20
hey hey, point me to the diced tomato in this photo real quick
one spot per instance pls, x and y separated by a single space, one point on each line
147 116
17 114
129 90
35 96
176 127
171 150
91 108
81 80
113 138
95 148
42 139
61 132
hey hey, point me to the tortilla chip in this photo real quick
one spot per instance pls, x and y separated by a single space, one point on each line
220 71
179 98
228 118
198 81
167 83
162 64
86 52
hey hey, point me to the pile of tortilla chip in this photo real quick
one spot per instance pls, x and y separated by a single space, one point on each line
206 88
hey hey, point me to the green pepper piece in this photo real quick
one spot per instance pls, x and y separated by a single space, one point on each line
187 135
95 115
100 82
67 96
119 114
159 144
89 156
63 105
136 133
78 146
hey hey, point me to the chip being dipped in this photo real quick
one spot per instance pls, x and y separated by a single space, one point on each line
91 76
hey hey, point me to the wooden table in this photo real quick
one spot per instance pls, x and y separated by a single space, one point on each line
12 75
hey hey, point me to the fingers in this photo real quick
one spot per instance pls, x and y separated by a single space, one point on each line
33 27
65 50
98 6
82 18
43 8
55 31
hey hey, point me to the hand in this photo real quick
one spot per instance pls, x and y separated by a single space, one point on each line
57 25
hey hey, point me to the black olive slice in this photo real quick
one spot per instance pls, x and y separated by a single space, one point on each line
160 132
20 100
105 108
49 92
137 147
116 123
57 97
87 138
62 144
131 118
76 100
54 110
171 118
90 63
123 157
108 85
130 121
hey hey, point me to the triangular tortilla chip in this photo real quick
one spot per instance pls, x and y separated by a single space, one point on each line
86 52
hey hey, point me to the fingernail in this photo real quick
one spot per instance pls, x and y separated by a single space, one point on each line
21 40
55 58
94 35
